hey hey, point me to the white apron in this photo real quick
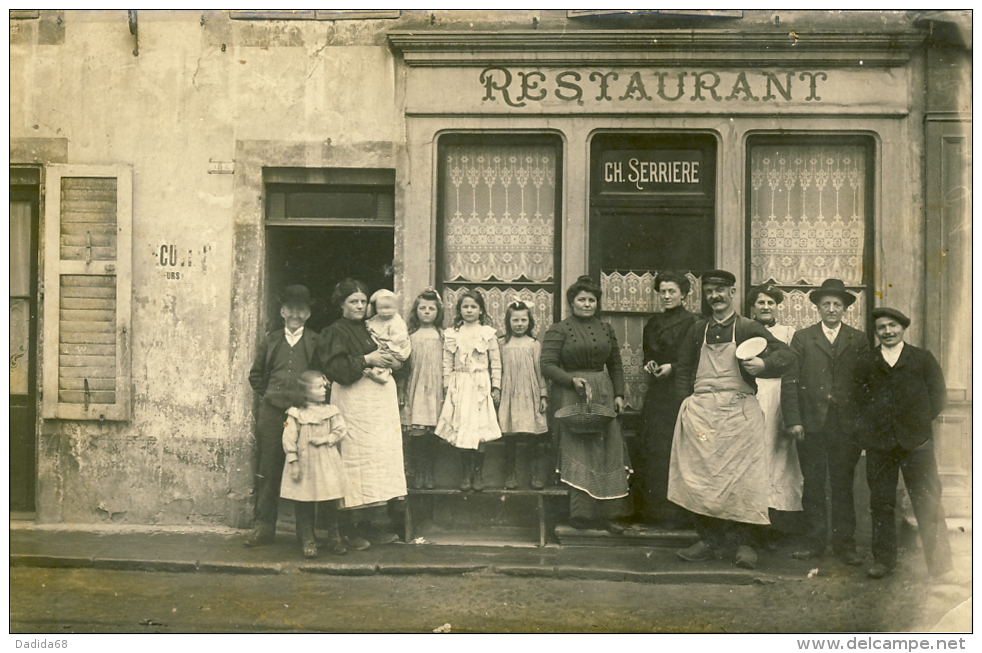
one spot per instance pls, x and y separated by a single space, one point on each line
718 466
782 454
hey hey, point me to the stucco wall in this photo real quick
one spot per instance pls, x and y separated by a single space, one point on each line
200 87
204 89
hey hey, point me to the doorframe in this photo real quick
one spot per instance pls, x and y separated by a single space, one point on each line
25 185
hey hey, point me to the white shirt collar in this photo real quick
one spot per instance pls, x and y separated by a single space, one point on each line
831 334
892 354
293 338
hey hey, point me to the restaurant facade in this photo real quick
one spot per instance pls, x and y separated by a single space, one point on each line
172 171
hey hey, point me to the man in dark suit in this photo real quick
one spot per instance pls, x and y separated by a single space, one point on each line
817 401
281 357
900 390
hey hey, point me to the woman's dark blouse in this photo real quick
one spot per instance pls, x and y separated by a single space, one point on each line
663 335
342 348
581 344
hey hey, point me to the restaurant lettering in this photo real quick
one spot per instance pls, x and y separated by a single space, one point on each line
517 87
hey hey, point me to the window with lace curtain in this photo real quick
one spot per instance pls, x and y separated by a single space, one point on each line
810 219
499 215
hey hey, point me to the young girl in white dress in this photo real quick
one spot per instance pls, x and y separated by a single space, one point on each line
314 473
522 411
472 382
421 389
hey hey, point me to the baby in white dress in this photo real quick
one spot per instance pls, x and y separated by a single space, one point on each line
389 331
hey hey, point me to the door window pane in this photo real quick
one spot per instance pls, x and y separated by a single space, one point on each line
20 248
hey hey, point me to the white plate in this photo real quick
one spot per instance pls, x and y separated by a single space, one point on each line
751 347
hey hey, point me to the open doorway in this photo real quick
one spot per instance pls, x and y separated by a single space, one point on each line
325 224
319 257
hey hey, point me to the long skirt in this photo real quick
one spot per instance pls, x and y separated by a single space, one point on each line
783 470
654 452
595 465
372 451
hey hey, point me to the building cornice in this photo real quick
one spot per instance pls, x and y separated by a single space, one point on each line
655 47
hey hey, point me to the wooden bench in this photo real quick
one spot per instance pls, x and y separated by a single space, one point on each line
538 494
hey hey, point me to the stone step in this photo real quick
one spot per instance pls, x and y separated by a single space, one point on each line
634 536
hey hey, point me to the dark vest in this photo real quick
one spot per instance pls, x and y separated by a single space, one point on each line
286 366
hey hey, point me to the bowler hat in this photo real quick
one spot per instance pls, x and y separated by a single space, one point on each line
832 287
296 294
883 311
719 276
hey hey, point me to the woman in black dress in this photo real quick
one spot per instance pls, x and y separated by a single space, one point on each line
372 451
663 335
579 351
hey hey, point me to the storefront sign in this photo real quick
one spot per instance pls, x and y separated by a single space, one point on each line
517 87
651 171
531 90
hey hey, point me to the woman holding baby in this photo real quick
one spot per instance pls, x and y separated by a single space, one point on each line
366 396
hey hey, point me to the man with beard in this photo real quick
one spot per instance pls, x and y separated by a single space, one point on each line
719 467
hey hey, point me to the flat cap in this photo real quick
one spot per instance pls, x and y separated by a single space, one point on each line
719 276
883 311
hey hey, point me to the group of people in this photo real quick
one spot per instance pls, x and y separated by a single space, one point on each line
336 407
743 422
761 427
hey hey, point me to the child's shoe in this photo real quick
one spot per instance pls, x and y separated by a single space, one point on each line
309 549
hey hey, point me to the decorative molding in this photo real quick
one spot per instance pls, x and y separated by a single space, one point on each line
859 49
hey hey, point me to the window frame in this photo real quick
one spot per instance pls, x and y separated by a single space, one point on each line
864 139
452 139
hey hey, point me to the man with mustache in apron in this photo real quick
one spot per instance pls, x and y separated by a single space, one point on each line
718 467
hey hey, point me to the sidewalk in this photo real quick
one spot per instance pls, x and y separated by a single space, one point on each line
220 550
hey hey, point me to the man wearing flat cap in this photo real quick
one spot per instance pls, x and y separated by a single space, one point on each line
819 411
900 390
718 467
281 357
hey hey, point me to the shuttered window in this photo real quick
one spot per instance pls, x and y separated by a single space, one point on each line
87 279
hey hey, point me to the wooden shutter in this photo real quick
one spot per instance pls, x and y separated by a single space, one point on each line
87 280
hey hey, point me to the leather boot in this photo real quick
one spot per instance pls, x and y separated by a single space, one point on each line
477 479
409 450
329 519
263 533
511 475
428 461
466 471
536 461
304 513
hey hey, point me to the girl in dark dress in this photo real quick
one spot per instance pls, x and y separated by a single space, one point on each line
663 335
579 351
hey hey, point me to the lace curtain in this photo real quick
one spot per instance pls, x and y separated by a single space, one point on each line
499 221
500 212
808 223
